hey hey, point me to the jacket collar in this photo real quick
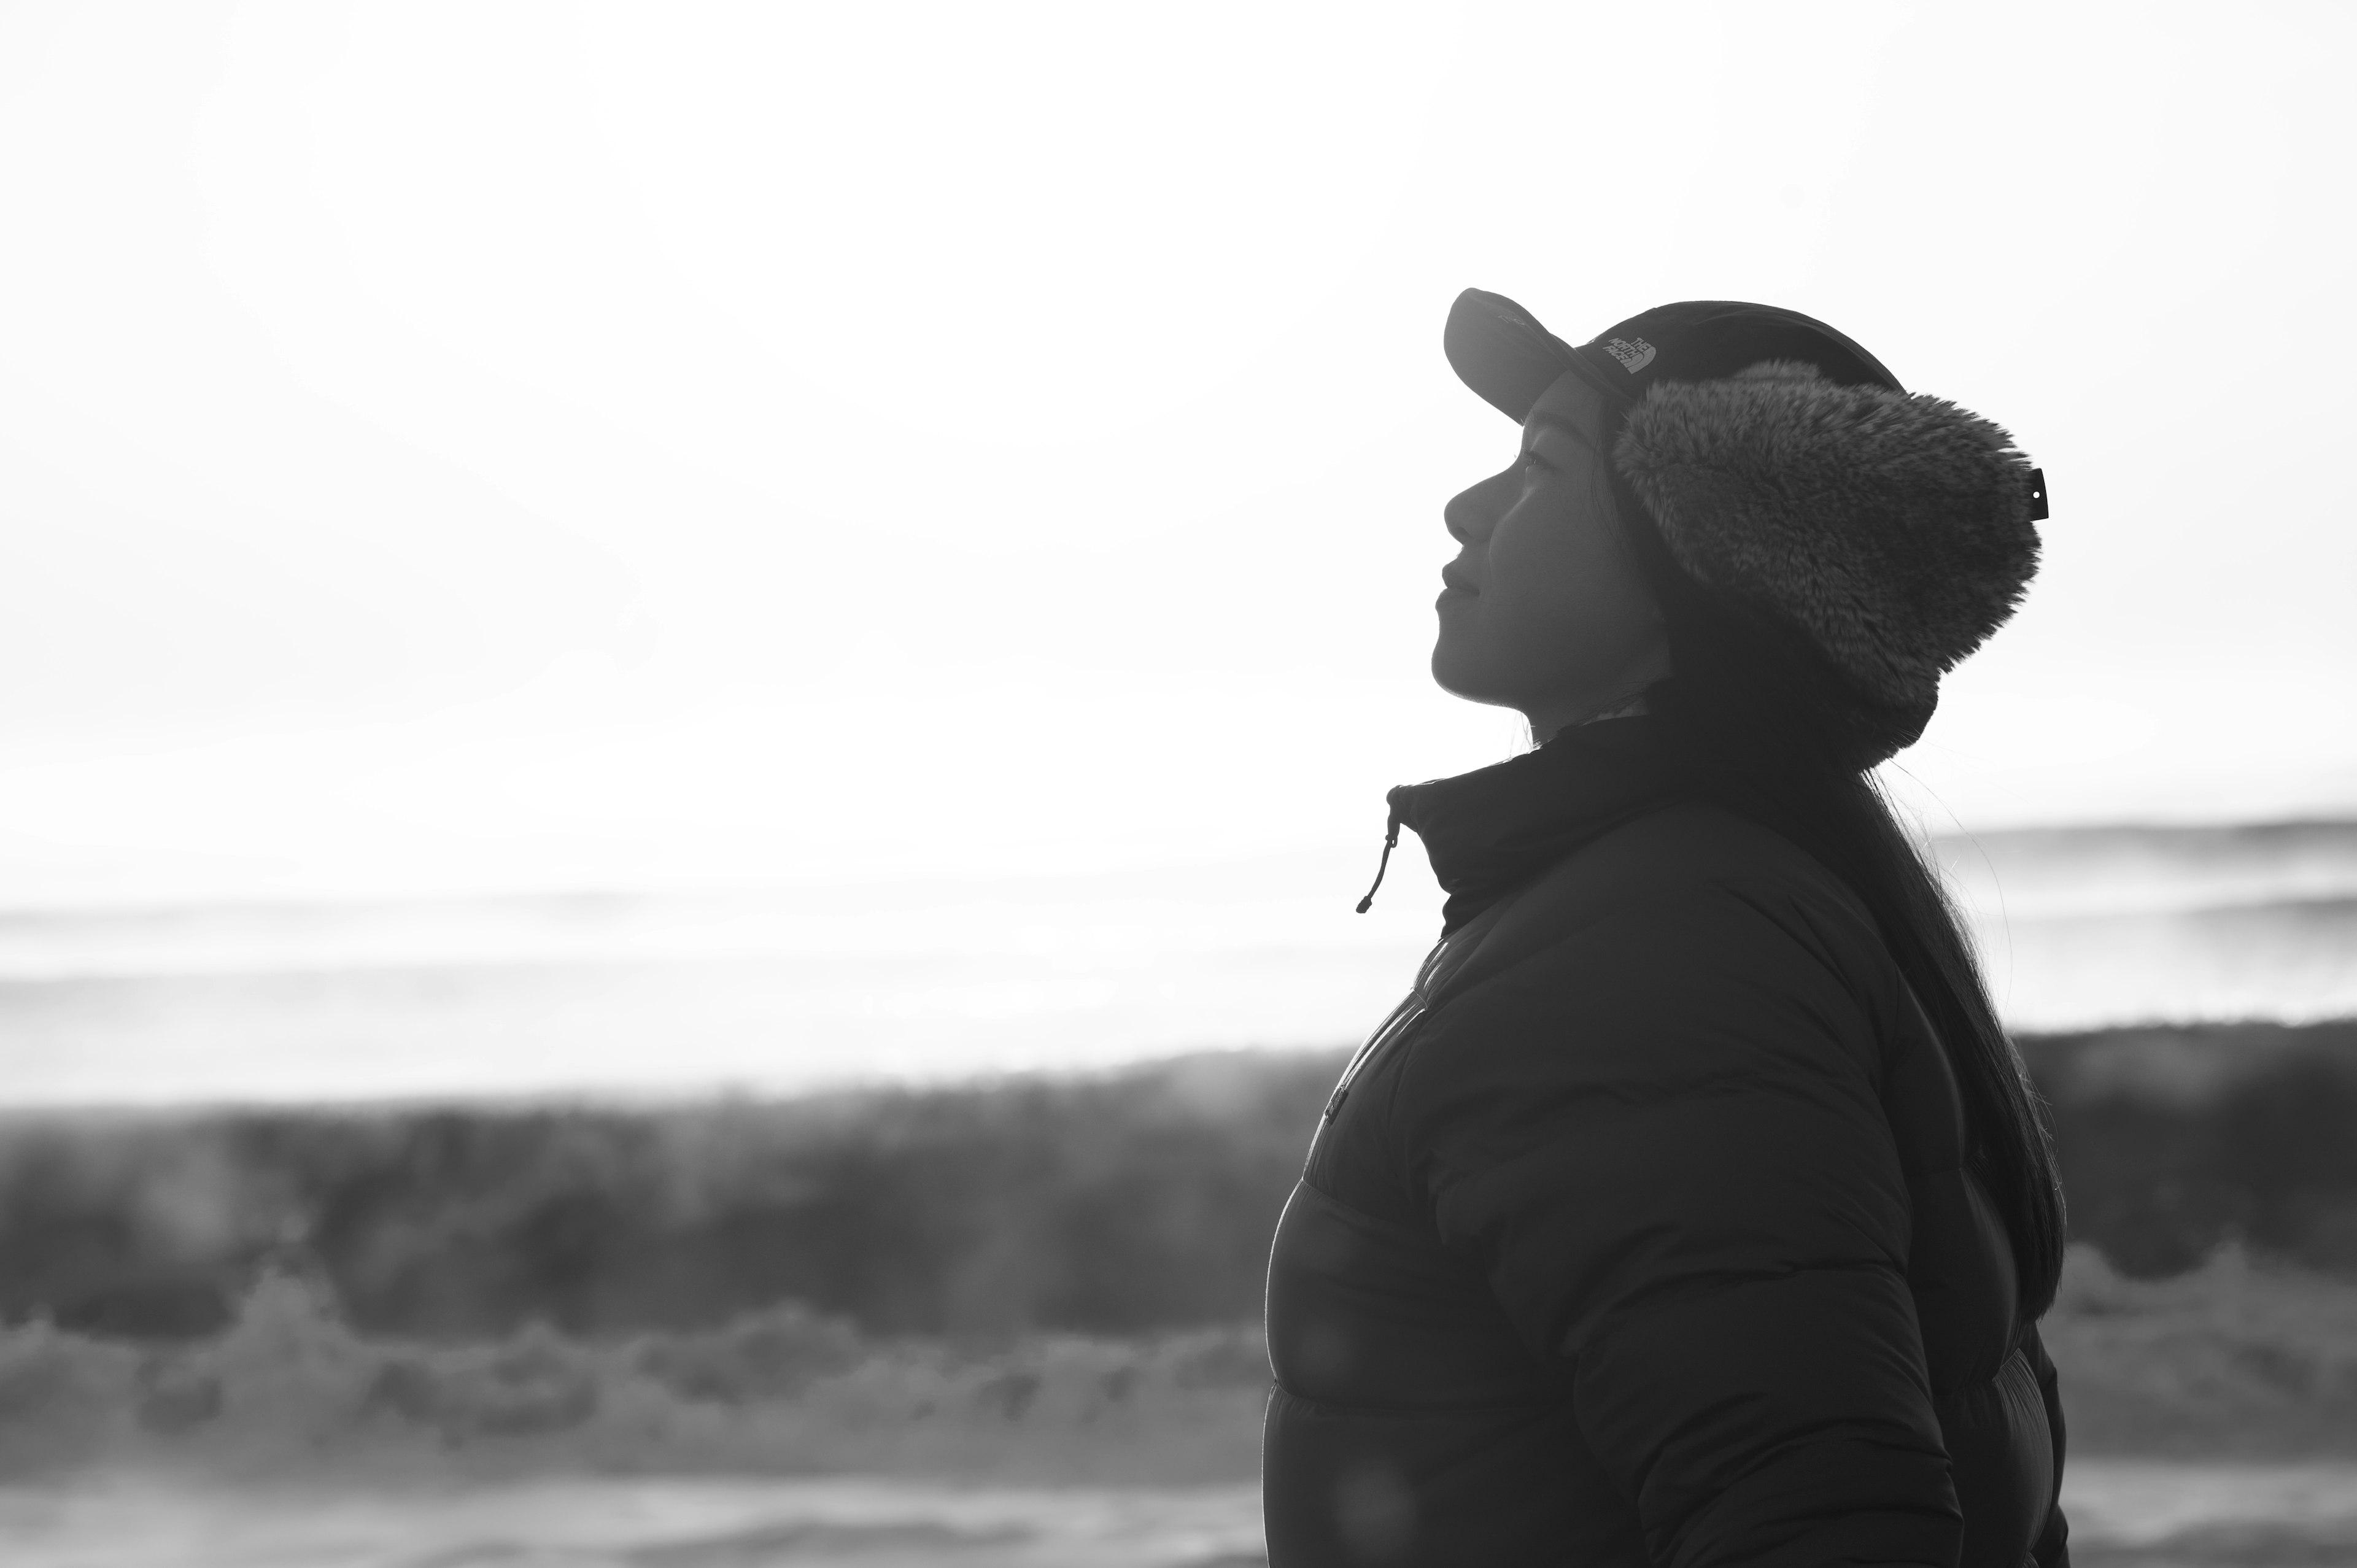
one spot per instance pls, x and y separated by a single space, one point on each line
1490 831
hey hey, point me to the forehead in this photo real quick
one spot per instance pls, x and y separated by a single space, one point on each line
1572 400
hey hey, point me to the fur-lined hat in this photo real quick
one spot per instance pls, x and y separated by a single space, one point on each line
1785 468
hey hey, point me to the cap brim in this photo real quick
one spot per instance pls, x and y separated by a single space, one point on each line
1499 350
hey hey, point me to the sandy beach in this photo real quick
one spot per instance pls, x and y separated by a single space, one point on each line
2122 1511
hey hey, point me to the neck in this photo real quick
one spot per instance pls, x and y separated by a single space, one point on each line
1548 722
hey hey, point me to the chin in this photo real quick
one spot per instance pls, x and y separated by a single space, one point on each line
1460 676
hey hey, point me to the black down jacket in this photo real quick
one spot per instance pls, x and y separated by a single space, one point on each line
1642 1233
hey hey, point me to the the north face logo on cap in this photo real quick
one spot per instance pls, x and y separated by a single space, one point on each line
1633 357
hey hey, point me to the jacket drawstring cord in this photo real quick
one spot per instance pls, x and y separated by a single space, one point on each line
1391 842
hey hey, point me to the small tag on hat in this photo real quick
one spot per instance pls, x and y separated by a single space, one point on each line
2038 495
1633 357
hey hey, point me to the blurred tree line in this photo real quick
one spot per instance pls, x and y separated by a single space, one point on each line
1135 1201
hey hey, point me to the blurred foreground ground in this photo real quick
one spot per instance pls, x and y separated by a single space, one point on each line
2128 1512
2233 1361
1008 1323
2213 1415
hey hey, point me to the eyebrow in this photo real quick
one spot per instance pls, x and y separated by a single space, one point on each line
1562 425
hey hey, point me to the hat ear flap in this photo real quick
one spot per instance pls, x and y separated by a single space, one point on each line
1894 532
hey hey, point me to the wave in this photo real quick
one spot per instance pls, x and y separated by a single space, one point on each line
1128 1204
2234 1359
289 1387
2292 960
2041 872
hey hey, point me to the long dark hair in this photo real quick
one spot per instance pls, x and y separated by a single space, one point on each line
1772 732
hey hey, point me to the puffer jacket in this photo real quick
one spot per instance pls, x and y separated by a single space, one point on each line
1643 1232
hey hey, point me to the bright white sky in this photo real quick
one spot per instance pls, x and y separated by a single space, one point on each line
454 445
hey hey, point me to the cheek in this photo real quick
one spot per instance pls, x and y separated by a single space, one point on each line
1545 577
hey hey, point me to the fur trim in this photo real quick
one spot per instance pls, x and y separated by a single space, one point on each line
1894 532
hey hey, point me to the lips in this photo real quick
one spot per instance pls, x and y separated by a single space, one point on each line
1455 582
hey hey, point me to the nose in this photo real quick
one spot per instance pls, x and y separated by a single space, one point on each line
1471 513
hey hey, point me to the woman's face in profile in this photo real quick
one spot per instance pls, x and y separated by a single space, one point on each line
1544 610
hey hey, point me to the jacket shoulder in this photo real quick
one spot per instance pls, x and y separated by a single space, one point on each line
1690 966
1686 851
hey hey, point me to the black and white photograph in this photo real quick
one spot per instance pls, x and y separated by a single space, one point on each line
1055 785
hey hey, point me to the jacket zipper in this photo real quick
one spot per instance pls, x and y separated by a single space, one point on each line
1411 1007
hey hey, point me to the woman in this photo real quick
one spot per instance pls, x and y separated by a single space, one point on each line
1692 1209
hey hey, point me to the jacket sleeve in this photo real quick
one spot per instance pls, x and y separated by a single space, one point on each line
1661 1143
2053 1547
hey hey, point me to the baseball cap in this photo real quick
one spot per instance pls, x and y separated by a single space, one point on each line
1499 350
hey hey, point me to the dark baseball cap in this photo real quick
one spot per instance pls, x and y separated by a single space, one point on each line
1499 350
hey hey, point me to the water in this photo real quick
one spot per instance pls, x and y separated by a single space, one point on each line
774 991
2084 927
2122 1511
790 989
